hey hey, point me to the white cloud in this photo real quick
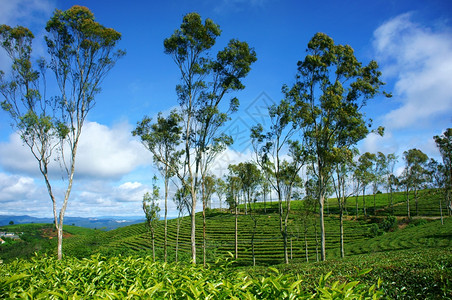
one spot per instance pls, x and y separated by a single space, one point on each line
420 59
109 152
25 12
32 14
103 152
20 195
374 143
14 186
15 156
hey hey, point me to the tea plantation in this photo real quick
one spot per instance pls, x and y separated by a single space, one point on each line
386 256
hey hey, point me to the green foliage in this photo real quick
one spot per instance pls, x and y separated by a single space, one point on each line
140 277
374 230
389 223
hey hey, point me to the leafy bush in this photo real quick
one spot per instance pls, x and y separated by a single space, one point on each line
374 230
417 222
140 277
377 229
389 224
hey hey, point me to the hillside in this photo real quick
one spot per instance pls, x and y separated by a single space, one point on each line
361 234
104 223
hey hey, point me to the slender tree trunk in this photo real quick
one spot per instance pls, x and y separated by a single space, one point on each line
416 201
204 200
364 202
316 242
286 224
246 207
341 220
441 210
291 256
321 217
252 239
356 202
375 205
165 243
153 244
177 237
193 232
392 201
408 203
66 198
236 237
60 241
306 241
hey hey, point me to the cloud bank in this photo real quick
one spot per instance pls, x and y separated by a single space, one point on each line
420 59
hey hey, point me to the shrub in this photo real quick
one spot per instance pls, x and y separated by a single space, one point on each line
389 224
140 277
374 230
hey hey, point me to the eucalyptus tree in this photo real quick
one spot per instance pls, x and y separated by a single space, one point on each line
438 179
269 148
162 139
151 211
414 175
207 190
181 200
220 190
343 171
205 81
307 213
82 52
332 88
444 144
391 179
365 174
234 189
250 178
379 169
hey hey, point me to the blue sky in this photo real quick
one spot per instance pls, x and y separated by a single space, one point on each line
411 40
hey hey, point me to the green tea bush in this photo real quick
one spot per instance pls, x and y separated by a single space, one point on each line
389 224
140 277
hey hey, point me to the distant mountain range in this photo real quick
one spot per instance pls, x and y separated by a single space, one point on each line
104 223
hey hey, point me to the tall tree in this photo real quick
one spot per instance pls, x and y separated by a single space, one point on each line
364 172
82 52
162 139
269 148
444 144
438 178
249 176
220 190
207 190
378 175
151 211
234 188
343 169
204 84
391 179
181 200
332 88
414 175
